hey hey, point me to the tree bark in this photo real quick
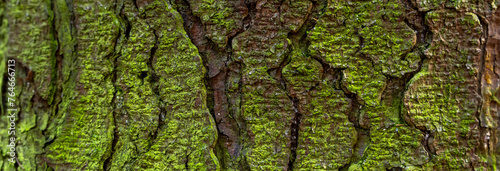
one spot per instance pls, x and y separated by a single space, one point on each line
250 84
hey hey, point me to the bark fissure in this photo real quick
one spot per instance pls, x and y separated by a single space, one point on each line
424 36
114 57
155 78
295 129
483 42
114 141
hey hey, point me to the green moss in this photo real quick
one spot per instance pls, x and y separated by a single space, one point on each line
367 83
326 137
321 144
333 42
137 108
478 6
293 13
187 138
32 42
113 91
396 146
266 110
27 37
443 103
86 113
388 40
301 74
221 18
3 50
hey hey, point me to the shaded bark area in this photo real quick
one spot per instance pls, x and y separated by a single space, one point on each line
252 84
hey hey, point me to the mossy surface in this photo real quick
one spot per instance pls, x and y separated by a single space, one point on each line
266 109
28 39
222 18
83 138
186 139
442 100
252 85
137 107
323 144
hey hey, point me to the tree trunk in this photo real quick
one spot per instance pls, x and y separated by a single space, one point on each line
250 85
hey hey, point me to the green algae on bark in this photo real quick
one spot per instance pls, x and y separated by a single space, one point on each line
27 38
187 138
222 19
137 108
83 138
326 137
443 98
266 109
252 84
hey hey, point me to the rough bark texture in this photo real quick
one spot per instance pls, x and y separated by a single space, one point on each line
252 84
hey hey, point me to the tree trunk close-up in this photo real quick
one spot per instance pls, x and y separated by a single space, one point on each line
345 85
